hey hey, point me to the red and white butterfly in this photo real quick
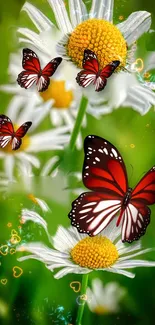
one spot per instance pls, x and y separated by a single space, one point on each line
92 73
104 173
33 72
8 134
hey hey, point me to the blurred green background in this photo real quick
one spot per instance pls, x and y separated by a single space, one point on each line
36 297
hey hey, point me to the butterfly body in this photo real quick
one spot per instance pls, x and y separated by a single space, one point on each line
91 72
33 73
104 173
9 135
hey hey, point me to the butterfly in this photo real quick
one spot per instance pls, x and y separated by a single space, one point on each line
92 73
104 173
8 134
33 73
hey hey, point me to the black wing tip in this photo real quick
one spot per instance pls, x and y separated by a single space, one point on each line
116 63
19 80
78 79
29 123
59 59
3 116
142 233
92 137
26 49
88 51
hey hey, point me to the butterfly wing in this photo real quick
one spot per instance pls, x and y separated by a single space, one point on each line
6 130
105 73
19 134
103 169
32 69
91 67
137 215
47 72
144 192
135 220
105 174
91 213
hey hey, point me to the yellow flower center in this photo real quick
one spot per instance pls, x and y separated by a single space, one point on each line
101 310
58 92
94 252
25 144
100 36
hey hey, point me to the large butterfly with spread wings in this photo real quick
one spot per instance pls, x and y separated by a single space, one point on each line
33 73
91 72
9 135
104 173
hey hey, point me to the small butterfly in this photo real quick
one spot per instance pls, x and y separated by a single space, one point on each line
33 72
104 173
8 134
92 73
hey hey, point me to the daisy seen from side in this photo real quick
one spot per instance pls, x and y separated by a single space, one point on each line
80 254
105 299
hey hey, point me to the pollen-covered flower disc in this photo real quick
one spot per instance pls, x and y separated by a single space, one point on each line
94 253
100 36
53 92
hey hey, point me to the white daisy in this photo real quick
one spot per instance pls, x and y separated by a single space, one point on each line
93 30
105 299
62 97
80 254
24 158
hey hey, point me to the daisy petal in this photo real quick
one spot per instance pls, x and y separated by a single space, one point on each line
33 39
78 11
43 205
140 98
136 25
39 19
134 263
61 264
120 271
61 15
123 249
97 112
48 255
24 258
67 270
28 215
135 254
63 241
49 165
102 9
25 169
30 158
11 88
26 113
56 118
38 114
9 166
14 107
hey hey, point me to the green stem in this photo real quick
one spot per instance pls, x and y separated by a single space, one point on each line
83 292
78 122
